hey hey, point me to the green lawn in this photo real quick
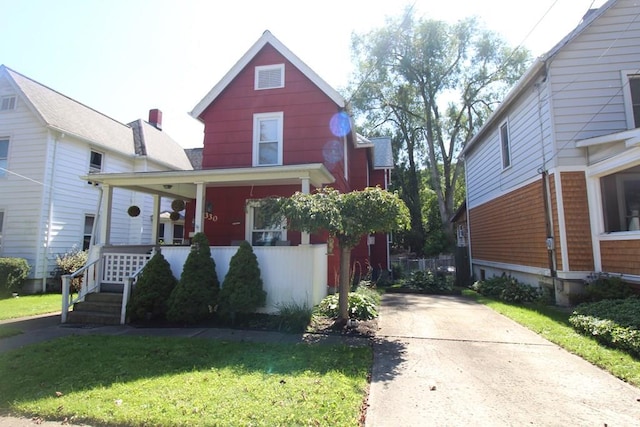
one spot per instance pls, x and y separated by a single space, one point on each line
553 324
138 381
29 305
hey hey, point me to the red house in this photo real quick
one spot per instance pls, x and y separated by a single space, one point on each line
272 127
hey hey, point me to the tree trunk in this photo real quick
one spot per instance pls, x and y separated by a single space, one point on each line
343 296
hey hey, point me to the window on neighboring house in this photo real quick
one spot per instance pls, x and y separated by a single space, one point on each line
260 233
7 103
269 77
621 200
178 234
4 155
1 225
88 231
176 238
505 144
95 162
267 139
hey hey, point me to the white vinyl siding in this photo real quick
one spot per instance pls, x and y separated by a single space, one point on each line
267 139
269 77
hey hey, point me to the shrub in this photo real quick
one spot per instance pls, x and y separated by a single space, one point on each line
615 323
428 282
603 287
196 294
13 274
242 287
152 291
70 262
366 288
294 318
507 289
361 307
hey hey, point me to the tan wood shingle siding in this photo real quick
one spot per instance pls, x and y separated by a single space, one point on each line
511 228
621 256
576 209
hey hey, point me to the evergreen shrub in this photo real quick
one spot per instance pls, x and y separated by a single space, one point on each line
150 296
13 274
242 287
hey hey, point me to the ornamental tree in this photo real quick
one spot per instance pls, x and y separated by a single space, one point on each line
347 217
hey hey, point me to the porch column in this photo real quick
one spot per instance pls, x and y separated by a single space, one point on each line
306 189
199 216
105 214
155 222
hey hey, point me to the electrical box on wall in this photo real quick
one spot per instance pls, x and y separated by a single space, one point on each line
549 243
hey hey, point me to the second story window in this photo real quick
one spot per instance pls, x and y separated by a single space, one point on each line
7 103
95 162
505 145
267 139
269 77
4 155
634 88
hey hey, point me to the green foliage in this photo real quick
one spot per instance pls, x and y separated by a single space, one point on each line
13 274
242 287
615 323
603 287
294 318
361 306
151 293
196 295
507 289
428 282
366 288
70 262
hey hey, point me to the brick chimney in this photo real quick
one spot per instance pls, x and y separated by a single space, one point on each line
155 118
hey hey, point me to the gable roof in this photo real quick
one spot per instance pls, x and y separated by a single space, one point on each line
534 70
59 112
267 38
157 145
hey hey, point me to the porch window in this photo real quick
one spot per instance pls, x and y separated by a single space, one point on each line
260 233
4 155
8 103
88 231
269 77
621 200
267 139
506 148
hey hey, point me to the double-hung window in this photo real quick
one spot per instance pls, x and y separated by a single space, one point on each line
505 145
88 231
631 91
95 162
259 232
267 139
4 155
7 103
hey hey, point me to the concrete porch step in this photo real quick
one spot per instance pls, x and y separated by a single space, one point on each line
92 318
101 308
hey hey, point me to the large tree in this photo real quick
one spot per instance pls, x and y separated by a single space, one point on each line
432 84
347 217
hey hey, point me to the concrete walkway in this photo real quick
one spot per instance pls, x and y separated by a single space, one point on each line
438 361
448 361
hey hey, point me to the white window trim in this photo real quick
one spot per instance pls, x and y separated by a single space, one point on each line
15 103
101 163
510 157
2 226
266 68
249 215
256 136
5 173
93 227
626 93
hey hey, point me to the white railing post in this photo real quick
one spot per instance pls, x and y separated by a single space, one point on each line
125 299
66 283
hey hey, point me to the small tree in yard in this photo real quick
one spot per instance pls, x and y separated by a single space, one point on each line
242 287
345 216
153 289
196 294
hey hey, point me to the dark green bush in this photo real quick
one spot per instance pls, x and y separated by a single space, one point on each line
150 296
361 307
603 287
13 274
615 323
242 286
196 295
428 282
507 289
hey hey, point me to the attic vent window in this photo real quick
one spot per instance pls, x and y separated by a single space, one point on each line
7 103
269 77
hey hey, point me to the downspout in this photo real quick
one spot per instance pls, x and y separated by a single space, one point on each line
50 185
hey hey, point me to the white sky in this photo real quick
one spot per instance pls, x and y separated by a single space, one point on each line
124 57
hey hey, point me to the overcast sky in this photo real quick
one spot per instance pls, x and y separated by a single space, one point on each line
124 57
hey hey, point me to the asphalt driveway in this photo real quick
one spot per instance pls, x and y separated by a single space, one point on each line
449 361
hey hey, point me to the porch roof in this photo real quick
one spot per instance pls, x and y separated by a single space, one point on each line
183 184
631 138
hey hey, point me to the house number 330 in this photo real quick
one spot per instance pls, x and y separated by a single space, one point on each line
210 217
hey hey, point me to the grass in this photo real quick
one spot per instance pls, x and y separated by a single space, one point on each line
138 381
29 305
553 324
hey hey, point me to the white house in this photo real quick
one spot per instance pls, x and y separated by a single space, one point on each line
553 177
47 142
